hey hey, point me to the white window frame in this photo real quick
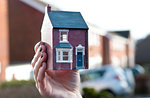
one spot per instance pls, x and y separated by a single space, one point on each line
80 47
63 30
61 50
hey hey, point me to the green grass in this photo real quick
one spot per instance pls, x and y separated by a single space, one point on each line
16 83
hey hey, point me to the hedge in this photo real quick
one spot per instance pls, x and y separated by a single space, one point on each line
16 83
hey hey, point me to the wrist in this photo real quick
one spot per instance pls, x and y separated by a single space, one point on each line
74 95
66 95
78 96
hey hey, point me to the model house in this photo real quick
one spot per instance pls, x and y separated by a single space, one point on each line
67 34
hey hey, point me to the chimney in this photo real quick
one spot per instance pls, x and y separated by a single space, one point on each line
48 8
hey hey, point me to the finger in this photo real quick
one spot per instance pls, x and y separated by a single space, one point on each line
41 72
40 78
36 85
41 49
36 46
38 64
36 56
48 47
49 55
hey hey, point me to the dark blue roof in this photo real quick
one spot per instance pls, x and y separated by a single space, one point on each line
64 45
67 20
122 33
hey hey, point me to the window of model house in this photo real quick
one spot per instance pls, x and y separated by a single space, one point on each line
64 55
63 35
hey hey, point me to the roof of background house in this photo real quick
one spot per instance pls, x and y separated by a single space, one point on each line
142 51
122 33
68 20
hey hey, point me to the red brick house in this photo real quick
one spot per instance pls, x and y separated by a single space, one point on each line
4 38
17 33
113 47
67 34
121 49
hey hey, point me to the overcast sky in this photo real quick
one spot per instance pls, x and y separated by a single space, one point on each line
110 15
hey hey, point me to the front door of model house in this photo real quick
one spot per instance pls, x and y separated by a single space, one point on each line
79 56
79 59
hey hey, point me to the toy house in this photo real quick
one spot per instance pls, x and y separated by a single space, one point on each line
67 34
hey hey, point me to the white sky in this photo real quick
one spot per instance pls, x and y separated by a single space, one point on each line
110 15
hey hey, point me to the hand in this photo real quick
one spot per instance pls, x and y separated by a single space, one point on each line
53 83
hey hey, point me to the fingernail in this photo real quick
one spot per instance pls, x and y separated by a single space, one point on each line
38 45
40 48
42 43
41 55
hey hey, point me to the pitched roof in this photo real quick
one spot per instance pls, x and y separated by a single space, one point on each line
122 33
142 51
63 45
67 20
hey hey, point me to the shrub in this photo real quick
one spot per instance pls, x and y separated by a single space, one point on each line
16 83
91 93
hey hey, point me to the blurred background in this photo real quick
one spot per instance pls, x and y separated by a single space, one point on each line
119 44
